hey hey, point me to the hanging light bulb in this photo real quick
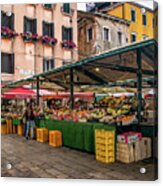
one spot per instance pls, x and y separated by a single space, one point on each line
97 69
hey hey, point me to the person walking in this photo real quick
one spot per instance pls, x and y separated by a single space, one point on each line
30 124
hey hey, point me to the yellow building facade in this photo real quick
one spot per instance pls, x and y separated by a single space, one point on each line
143 20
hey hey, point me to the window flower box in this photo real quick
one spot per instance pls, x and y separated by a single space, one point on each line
28 36
68 44
8 33
48 40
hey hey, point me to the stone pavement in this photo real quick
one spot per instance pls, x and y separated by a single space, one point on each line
33 159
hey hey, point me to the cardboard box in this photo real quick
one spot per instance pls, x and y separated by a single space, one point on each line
129 137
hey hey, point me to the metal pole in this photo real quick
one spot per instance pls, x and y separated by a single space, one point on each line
139 83
71 89
38 88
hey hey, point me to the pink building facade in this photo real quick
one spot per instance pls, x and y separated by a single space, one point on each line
45 38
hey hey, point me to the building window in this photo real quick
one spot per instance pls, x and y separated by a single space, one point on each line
47 6
89 34
119 38
153 22
7 63
105 34
30 25
66 8
67 33
144 19
133 15
145 37
48 64
133 37
48 29
7 21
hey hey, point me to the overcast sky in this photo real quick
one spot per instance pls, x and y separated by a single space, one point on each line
147 3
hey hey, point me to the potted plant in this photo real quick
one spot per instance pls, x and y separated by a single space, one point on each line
28 36
68 44
6 32
49 40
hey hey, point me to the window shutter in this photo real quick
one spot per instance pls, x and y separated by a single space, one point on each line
2 61
44 65
52 29
52 63
43 28
12 64
25 24
35 26
2 18
63 33
12 22
70 33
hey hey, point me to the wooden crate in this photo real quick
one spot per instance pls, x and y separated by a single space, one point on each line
42 135
4 129
143 149
55 138
125 153
20 130
134 152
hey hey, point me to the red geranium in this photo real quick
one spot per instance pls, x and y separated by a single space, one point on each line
30 36
7 32
49 40
68 44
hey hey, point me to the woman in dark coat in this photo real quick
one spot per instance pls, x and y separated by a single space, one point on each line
29 117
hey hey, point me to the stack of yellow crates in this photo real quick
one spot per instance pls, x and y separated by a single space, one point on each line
20 129
55 138
105 146
3 129
9 126
42 135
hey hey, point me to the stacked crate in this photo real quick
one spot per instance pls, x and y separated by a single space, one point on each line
3 129
55 138
140 150
42 135
105 146
20 130
9 126
125 152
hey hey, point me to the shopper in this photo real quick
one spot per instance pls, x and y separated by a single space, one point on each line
30 124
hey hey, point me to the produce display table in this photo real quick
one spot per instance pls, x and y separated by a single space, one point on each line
75 134
16 121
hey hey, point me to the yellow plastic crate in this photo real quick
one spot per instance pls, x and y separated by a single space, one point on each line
9 126
3 129
105 141
42 135
105 146
55 138
106 159
20 130
106 153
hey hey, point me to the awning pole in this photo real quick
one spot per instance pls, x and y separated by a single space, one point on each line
71 89
139 83
38 88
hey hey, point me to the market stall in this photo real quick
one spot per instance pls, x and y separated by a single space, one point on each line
132 66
